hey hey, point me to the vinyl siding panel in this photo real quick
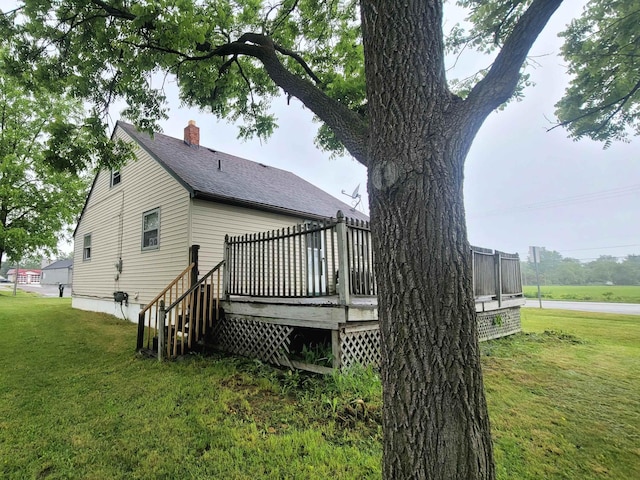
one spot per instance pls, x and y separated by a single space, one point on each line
212 221
113 216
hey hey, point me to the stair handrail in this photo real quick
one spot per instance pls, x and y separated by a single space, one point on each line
195 285
190 306
142 315
162 293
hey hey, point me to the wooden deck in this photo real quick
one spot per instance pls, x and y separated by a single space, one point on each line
312 312
327 311
274 329
278 294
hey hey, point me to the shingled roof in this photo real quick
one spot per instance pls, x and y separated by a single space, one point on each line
64 263
218 176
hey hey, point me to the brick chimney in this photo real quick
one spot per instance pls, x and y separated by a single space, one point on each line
192 134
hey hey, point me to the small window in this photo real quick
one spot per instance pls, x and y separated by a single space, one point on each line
151 229
86 250
115 177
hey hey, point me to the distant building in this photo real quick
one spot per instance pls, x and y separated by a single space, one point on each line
25 276
59 272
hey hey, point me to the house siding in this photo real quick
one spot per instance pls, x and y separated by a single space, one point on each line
113 217
55 276
210 222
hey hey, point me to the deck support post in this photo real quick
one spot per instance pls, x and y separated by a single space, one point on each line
343 260
226 277
335 349
161 322
193 258
497 262
140 339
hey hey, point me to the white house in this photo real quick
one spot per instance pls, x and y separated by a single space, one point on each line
137 225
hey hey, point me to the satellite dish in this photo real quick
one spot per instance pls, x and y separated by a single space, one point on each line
355 193
354 196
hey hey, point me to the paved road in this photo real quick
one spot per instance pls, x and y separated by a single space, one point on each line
44 290
600 307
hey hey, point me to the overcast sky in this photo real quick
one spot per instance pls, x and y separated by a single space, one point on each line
523 186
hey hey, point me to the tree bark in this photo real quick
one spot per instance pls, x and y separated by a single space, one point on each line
435 419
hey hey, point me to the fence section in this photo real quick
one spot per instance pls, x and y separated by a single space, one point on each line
495 274
335 257
322 258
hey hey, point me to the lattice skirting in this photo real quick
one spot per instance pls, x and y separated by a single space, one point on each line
251 338
498 323
360 345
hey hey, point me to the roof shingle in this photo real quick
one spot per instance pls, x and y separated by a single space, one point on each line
219 176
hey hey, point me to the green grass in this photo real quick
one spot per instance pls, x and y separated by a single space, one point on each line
564 397
77 403
593 293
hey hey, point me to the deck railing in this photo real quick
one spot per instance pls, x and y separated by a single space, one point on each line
322 258
496 274
335 257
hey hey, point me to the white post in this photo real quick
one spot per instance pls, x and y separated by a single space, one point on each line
343 267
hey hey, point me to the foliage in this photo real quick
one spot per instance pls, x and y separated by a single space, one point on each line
104 52
602 101
181 39
91 408
41 191
554 269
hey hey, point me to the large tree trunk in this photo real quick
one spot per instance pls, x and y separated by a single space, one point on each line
435 418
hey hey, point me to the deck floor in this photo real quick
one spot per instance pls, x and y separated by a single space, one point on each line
329 301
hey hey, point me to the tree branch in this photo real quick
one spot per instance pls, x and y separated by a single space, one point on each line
349 127
300 60
279 21
113 11
621 101
501 81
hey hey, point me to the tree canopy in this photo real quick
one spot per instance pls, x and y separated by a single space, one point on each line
601 47
231 58
41 191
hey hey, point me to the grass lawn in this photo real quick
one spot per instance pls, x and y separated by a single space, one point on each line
76 402
564 397
592 293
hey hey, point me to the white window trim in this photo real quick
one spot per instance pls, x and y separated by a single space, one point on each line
85 257
113 175
157 245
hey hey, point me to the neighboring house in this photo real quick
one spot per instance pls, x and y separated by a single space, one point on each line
138 223
59 272
25 276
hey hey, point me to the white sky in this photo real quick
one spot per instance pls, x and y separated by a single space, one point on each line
524 186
